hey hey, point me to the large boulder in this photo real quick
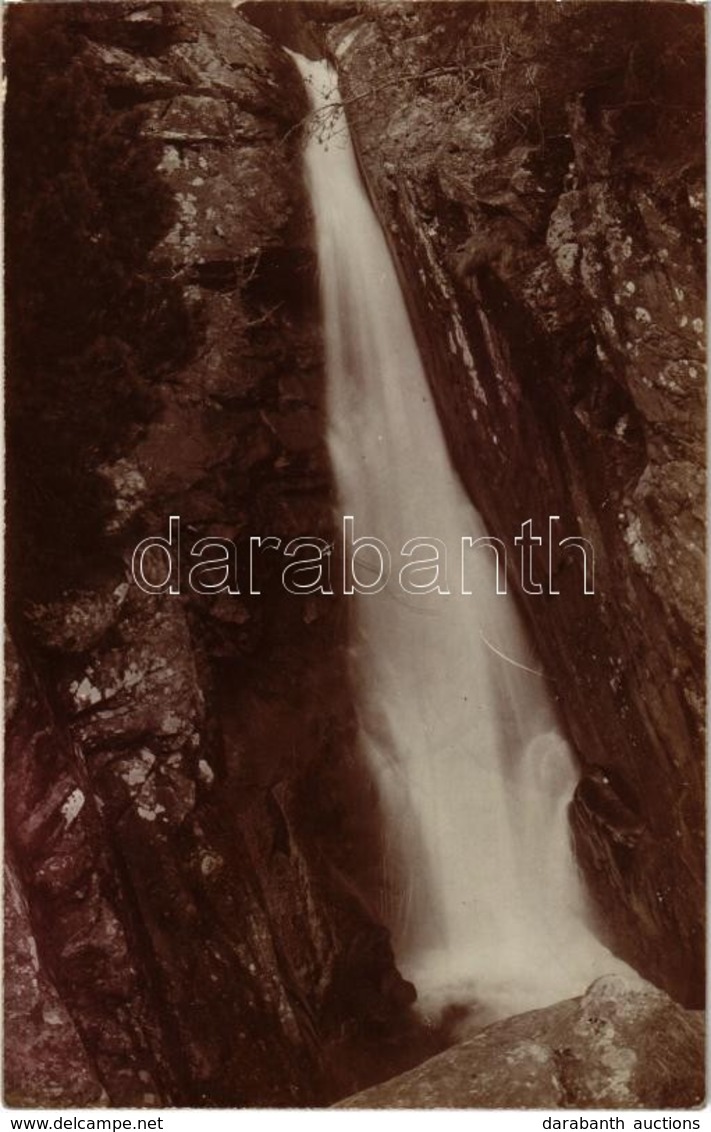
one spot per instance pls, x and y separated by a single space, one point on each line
621 1045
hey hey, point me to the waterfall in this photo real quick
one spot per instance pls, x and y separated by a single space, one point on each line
484 899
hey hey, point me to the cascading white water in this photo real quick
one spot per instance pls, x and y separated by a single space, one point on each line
486 905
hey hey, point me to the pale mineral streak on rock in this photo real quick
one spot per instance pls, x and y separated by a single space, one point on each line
129 487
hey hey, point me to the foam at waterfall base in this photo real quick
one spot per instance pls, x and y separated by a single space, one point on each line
467 992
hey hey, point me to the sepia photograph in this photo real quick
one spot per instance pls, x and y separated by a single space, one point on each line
355 592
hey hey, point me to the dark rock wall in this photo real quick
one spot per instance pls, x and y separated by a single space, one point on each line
539 171
46 1060
185 809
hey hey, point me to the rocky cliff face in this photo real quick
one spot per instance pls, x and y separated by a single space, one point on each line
538 170
192 839
186 815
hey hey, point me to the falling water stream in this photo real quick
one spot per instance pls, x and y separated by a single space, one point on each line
484 900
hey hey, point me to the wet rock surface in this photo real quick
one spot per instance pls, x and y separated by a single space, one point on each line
619 1046
539 175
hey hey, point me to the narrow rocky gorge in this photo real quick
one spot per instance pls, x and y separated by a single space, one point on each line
182 791
194 849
